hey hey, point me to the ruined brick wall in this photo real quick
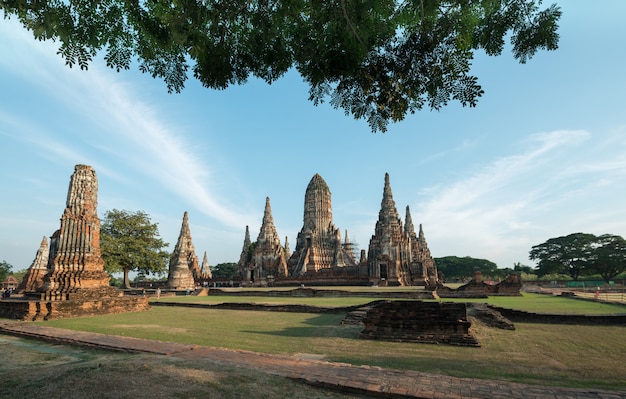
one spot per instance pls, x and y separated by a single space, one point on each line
416 321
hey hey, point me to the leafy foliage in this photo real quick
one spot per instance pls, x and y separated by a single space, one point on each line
609 256
566 255
226 270
376 59
5 270
130 241
581 254
454 267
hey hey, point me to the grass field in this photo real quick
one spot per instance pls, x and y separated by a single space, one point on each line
528 302
562 355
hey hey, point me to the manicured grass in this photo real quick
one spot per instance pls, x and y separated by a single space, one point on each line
273 300
574 356
541 303
529 302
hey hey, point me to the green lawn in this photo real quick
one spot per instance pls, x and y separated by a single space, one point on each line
528 302
574 356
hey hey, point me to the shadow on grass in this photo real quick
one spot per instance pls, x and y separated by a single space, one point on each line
320 326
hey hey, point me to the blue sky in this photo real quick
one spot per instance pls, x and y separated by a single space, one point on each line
542 155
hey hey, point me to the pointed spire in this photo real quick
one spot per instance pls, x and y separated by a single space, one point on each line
184 228
388 211
287 249
183 261
205 269
267 214
346 240
408 222
243 258
37 270
246 240
387 201
318 210
268 230
422 238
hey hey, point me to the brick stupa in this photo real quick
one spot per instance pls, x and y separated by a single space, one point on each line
75 266
183 262
75 283
33 280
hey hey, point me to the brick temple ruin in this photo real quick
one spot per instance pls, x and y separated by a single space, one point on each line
73 282
184 270
397 256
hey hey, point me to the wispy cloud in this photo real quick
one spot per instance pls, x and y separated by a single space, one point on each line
493 210
123 126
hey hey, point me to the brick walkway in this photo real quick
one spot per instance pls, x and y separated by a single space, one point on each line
366 380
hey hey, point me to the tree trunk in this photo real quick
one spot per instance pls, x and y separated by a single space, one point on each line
126 283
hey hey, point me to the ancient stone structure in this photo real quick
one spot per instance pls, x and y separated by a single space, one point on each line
33 280
477 288
318 245
417 321
287 249
266 261
75 283
205 270
75 267
245 256
396 255
183 261
9 283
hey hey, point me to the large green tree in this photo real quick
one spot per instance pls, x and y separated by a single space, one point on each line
569 255
375 59
5 270
129 241
609 256
454 267
227 270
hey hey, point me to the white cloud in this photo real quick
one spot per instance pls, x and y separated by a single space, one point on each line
497 210
122 126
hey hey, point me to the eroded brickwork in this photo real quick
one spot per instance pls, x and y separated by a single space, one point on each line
318 244
75 267
33 280
417 321
183 261
396 255
267 259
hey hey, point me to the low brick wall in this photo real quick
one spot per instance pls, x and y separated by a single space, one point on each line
416 321
574 319
314 292
29 310
267 307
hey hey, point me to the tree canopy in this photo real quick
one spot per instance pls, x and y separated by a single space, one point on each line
225 271
130 241
609 256
580 254
376 59
464 268
5 270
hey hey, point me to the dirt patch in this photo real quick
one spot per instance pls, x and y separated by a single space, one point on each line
31 369
309 356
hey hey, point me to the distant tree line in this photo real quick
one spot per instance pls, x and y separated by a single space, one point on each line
453 268
581 255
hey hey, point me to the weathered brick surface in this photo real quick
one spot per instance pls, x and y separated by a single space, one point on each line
416 321
75 283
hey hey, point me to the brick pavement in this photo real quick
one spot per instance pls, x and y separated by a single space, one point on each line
367 380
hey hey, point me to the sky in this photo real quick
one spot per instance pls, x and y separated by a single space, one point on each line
542 155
